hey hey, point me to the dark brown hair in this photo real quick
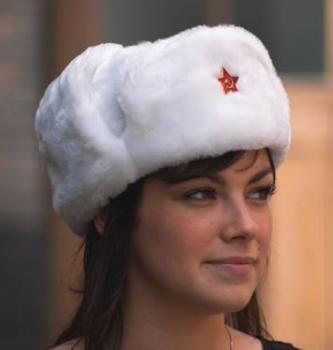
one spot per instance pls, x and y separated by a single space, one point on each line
98 321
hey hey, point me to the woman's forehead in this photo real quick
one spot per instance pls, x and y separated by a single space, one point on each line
235 160
252 165
250 159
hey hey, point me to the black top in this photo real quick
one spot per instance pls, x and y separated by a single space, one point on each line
276 345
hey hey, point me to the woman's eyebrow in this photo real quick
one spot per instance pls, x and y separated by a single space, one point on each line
217 179
255 178
261 174
220 181
212 177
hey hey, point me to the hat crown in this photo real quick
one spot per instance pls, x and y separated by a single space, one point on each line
119 113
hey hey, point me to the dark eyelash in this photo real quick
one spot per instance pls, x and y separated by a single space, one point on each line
267 190
204 190
272 189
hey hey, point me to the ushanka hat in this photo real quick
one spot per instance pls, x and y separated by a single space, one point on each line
118 113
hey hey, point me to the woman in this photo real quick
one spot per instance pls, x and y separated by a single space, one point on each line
163 155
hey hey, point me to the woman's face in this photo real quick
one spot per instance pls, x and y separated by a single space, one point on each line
204 243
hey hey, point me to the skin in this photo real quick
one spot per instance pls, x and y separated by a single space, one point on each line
178 291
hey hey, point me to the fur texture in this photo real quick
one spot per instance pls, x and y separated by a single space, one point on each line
119 113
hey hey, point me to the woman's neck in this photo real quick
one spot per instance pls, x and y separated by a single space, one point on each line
150 324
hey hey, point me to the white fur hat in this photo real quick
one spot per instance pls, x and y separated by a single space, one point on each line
119 113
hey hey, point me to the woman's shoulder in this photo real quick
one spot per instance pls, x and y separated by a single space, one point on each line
70 345
244 340
63 347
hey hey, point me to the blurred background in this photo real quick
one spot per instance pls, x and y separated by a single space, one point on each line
38 264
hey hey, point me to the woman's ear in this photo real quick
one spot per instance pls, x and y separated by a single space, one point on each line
99 223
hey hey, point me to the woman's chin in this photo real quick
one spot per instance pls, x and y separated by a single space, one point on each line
226 304
234 306
230 302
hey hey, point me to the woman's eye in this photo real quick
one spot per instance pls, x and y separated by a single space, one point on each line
200 194
262 193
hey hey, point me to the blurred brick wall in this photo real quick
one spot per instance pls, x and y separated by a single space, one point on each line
22 240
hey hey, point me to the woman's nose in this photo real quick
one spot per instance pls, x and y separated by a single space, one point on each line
239 221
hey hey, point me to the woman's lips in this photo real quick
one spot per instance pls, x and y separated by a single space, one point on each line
233 266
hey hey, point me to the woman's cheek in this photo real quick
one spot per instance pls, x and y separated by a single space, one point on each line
264 238
179 235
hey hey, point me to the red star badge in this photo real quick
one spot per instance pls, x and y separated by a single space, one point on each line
227 81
